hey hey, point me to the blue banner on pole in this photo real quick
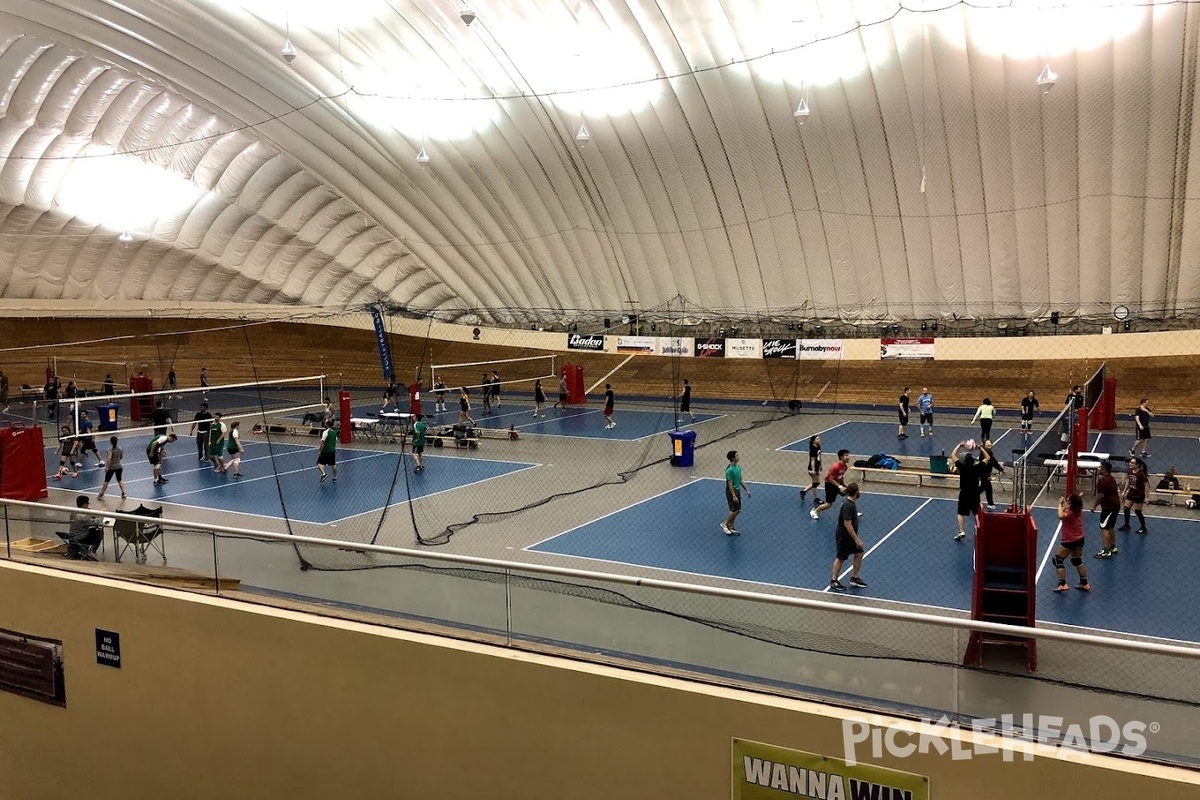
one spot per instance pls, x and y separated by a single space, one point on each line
385 350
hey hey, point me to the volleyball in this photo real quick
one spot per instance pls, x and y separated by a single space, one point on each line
969 444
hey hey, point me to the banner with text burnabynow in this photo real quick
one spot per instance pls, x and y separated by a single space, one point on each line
919 348
766 772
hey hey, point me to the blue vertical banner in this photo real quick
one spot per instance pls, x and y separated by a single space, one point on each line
385 350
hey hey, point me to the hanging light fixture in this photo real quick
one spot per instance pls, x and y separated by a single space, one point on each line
801 110
422 157
126 237
1046 78
584 136
289 52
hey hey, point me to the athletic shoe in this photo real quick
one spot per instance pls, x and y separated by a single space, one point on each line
1141 531
163 480
237 474
858 582
803 492
1113 551
726 530
1062 587
1084 587
812 512
122 495
76 475
335 479
735 532
323 477
99 497
837 585
958 537
1123 528
991 506
922 434
1104 554
1132 453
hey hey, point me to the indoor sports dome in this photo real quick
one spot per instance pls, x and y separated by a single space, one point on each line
548 161
595 399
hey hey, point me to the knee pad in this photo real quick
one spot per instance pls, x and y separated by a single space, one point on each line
1059 562
1077 561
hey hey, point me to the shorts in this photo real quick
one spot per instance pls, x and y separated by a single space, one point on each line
327 459
832 490
927 419
109 473
968 506
903 418
216 450
1076 547
1136 499
89 445
1108 518
1143 435
418 448
846 546
608 411
154 460
734 500
562 397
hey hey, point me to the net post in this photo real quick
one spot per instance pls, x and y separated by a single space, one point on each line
347 429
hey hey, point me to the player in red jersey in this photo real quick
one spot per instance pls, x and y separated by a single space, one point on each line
835 483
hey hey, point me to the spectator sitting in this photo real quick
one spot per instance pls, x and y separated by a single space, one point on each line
1170 481
84 535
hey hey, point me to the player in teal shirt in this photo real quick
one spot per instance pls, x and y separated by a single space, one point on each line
733 492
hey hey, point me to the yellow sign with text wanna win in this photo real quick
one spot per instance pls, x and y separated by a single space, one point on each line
766 772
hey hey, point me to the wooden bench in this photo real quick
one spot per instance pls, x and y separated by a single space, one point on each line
916 476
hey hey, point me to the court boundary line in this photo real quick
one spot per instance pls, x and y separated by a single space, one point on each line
995 441
966 612
818 433
879 544
663 493
524 467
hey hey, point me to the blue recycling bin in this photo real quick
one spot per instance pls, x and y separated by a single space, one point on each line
683 448
106 416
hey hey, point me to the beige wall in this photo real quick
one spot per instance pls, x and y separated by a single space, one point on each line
217 700
1097 346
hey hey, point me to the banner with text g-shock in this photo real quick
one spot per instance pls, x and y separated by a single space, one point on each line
766 772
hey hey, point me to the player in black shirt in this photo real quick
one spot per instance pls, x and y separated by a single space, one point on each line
1141 421
1029 407
968 485
903 406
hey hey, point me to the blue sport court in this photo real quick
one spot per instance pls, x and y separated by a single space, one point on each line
911 555
365 478
862 437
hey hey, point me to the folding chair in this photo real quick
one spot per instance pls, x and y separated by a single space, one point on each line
141 536
80 551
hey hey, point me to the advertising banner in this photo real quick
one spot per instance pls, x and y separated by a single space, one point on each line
743 348
920 348
674 346
710 348
636 344
823 349
767 772
585 341
381 339
778 348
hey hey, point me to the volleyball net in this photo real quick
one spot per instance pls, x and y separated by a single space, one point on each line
518 374
280 402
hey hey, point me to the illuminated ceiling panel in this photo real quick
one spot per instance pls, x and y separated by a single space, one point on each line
932 175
